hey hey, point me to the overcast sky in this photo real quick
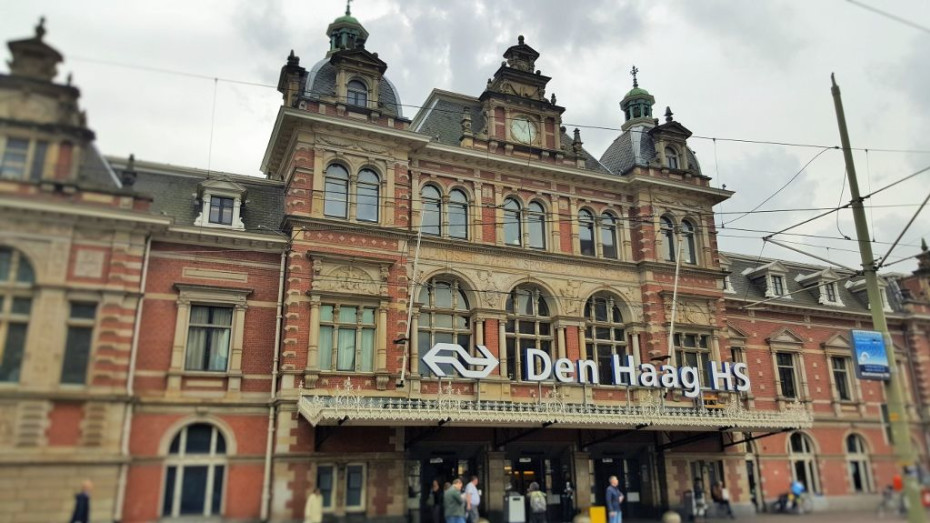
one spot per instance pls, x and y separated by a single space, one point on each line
755 70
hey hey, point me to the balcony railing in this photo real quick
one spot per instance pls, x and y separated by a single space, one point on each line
346 403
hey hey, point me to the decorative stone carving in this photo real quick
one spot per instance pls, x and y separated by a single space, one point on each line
348 279
690 311
88 263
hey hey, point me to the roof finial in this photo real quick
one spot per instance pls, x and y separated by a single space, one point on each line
633 72
923 244
40 29
348 7
520 40
668 114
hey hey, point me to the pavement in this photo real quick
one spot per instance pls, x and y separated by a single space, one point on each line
816 517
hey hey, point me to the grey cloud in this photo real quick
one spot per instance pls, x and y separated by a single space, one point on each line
749 31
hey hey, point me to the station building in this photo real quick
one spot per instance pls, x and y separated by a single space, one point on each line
214 346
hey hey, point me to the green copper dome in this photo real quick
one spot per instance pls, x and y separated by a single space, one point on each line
637 91
346 19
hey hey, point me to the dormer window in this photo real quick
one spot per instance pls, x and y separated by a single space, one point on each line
357 94
778 285
671 158
822 285
858 287
220 203
221 210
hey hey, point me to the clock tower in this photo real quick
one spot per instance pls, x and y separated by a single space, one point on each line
518 113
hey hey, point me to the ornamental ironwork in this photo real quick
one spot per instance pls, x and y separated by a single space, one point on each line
455 406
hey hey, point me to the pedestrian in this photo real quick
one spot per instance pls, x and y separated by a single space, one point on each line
472 500
721 496
81 513
614 498
453 502
313 509
538 503
434 502
700 501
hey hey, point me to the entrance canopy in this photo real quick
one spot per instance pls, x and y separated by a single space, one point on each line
351 406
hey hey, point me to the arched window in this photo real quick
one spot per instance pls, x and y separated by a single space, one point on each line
609 242
803 461
513 234
668 235
857 459
367 200
458 214
604 334
432 210
357 94
671 158
528 326
195 472
337 191
16 293
586 233
536 225
687 237
444 317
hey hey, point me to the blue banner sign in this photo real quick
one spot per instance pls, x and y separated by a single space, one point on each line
871 358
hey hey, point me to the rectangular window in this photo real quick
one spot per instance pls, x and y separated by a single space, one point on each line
14 320
841 378
78 343
786 374
38 161
693 350
221 210
208 336
325 474
830 290
347 338
355 487
886 424
13 163
778 286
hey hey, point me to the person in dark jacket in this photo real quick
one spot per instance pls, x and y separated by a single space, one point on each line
434 502
614 499
81 512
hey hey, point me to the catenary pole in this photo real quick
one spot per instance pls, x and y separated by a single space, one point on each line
900 429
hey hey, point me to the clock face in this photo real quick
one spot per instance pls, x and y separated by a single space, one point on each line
523 130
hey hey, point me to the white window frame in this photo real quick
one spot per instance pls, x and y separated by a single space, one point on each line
192 295
87 323
364 493
333 496
862 459
221 189
337 303
182 460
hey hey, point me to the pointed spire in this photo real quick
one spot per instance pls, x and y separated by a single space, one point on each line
668 114
633 72
348 7
576 141
923 244
128 175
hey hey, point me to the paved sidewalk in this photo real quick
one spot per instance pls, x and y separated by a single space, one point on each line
817 517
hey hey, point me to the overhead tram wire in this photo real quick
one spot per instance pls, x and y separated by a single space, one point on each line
780 189
890 16
162 70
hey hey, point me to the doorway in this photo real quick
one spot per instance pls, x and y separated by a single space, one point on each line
630 476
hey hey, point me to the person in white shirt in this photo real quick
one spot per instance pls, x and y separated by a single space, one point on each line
472 500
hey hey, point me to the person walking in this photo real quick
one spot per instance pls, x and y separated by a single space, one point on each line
313 509
434 502
453 502
721 496
614 498
538 503
81 513
472 500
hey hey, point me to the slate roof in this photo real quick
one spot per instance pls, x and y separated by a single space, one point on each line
443 122
94 171
321 81
753 289
633 147
174 189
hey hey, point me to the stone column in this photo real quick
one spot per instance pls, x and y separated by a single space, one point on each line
313 358
560 335
502 347
496 486
582 480
381 365
413 346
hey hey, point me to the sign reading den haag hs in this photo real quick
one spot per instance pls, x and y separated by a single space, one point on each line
443 358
